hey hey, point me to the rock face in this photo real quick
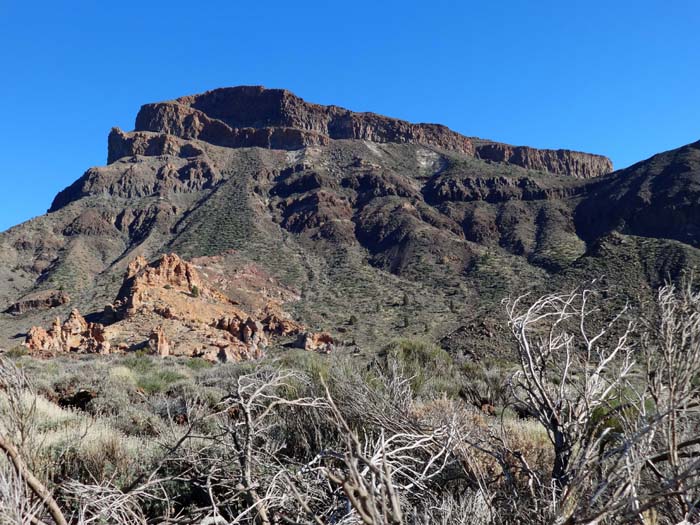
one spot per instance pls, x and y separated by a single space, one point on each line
122 144
143 283
138 177
252 116
42 300
159 343
561 161
321 342
248 116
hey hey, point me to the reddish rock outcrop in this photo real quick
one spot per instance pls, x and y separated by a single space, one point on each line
168 307
244 328
73 335
560 161
321 342
42 300
159 343
40 339
145 283
277 322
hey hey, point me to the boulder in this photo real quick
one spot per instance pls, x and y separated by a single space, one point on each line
159 343
321 342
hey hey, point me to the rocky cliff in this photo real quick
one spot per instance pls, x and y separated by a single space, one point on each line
275 118
252 116
560 161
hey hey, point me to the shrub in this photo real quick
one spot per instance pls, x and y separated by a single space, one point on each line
430 369
139 363
17 352
197 363
158 381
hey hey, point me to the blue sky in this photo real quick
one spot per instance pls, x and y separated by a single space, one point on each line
619 77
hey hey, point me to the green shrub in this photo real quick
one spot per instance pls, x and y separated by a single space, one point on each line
158 381
140 363
17 352
197 363
311 363
430 368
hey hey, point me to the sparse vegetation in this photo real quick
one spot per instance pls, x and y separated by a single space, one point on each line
15 352
593 422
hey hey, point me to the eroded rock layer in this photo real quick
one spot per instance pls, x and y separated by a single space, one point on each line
42 300
252 116
560 161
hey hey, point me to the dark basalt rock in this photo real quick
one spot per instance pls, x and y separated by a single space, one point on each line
252 116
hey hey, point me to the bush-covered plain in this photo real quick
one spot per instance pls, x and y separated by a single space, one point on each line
594 419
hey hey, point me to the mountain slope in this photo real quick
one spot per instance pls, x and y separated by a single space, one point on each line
655 198
378 227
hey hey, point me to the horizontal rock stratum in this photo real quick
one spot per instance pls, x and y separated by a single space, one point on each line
252 116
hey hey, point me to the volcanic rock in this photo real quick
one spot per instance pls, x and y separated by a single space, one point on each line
73 335
252 116
121 144
167 273
321 342
159 343
278 322
42 300
170 308
561 161
77 400
138 177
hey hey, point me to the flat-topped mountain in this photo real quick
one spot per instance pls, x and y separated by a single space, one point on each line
373 227
252 116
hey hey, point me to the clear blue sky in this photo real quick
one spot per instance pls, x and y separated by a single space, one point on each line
616 77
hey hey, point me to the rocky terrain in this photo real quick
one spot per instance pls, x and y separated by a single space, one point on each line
284 213
170 308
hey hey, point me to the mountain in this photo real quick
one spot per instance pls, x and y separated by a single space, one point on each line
357 224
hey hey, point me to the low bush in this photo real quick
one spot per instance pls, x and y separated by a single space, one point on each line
430 369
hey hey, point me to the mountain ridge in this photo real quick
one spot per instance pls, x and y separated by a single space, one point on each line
276 118
376 239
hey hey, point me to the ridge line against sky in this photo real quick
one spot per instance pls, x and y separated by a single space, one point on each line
618 80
